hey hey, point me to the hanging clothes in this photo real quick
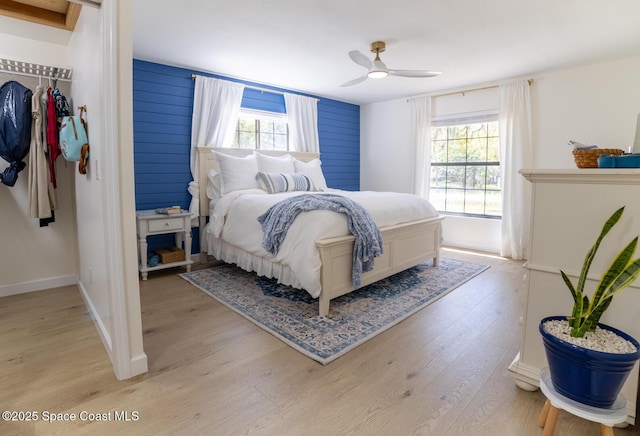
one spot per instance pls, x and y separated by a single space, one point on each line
62 106
15 128
42 196
52 136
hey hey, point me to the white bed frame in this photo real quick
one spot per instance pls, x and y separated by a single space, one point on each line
405 245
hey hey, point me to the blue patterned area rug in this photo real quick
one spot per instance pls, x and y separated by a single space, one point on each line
292 315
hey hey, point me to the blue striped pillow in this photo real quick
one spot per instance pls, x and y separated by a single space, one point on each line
280 182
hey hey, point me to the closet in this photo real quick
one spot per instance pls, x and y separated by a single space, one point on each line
36 251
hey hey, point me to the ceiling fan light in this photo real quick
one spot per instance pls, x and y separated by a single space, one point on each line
377 74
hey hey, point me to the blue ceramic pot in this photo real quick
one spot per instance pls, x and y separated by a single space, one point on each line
587 376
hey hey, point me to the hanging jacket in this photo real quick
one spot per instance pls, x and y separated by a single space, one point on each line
52 136
15 129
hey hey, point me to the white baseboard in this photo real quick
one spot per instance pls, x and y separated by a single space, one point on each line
527 377
102 330
38 285
139 364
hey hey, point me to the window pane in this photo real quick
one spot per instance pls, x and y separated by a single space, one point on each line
455 200
493 178
493 150
437 197
266 126
465 175
474 201
280 128
477 130
438 133
266 141
494 203
247 140
254 132
493 129
457 132
477 150
455 177
457 151
280 142
439 151
475 177
246 125
438 177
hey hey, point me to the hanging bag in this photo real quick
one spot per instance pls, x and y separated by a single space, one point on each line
74 143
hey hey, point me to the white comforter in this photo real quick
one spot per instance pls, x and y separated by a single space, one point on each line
233 218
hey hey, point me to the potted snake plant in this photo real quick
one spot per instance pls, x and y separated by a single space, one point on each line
579 370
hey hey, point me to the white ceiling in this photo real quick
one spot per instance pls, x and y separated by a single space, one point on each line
303 44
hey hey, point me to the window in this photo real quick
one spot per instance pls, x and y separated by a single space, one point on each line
261 130
465 166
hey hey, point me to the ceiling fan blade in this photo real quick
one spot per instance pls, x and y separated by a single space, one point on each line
355 81
414 73
360 59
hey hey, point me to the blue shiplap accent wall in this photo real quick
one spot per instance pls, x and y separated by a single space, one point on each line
162 107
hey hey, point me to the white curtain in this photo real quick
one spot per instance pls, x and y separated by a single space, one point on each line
515 154
216 106
302 118
421 109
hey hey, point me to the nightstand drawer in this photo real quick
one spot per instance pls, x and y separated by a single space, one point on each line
166 224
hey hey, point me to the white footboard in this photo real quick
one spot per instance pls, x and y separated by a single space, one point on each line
405 245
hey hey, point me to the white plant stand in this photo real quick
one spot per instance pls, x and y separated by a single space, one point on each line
607 418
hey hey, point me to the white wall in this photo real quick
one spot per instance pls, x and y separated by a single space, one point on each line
86 57
597 104
108 275
386 147
30 42
36 257
387 159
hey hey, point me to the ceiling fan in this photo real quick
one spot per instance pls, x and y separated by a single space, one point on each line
377 68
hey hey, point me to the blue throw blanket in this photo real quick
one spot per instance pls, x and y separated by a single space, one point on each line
368 239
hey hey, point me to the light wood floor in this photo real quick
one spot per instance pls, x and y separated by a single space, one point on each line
442 372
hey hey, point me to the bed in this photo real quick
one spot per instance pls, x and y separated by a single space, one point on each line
407 241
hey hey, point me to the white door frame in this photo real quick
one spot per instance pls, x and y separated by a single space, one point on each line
127 356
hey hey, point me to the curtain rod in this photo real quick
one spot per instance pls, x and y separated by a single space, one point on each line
257 88
530 82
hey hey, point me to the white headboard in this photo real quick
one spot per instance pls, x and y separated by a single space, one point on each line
207 162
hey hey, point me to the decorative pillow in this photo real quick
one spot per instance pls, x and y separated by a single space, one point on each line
237 172
313 170
213 185
272 164
280 182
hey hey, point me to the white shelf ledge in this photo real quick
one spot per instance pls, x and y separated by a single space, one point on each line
618 176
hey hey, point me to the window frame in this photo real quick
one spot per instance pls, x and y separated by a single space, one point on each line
459 120
258 116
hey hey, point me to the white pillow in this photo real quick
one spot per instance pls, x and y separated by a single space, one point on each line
272 164
237 172
280 182
313 170
213 185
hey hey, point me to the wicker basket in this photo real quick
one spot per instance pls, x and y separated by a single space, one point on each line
589 158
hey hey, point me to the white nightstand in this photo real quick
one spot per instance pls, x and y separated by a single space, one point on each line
149 222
